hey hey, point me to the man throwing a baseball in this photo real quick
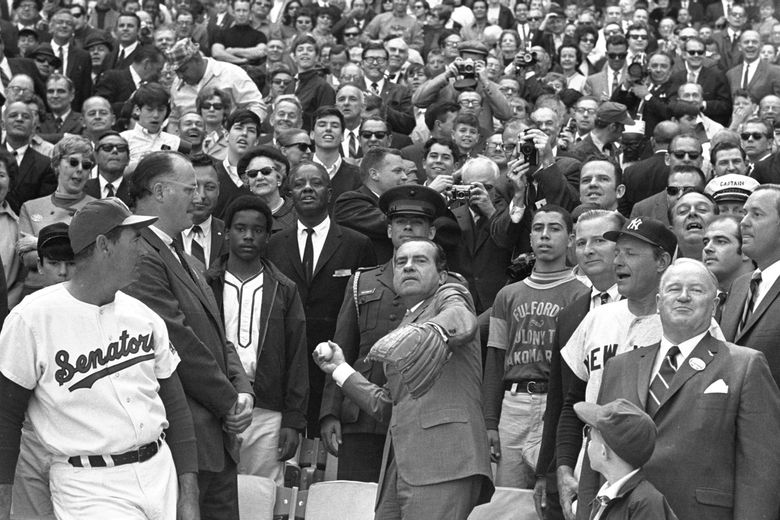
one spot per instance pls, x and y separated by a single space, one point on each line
437 464
95 371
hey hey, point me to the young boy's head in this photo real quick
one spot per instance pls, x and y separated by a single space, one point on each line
620 434
150 106
55 256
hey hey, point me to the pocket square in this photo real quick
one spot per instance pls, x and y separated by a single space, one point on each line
718 387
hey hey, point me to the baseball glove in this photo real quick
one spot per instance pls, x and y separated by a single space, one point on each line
417 351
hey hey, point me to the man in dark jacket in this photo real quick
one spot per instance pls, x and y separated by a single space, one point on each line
264 319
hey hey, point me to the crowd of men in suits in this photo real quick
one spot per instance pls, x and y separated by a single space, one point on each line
563 198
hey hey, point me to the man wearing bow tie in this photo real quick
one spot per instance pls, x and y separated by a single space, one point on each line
715 404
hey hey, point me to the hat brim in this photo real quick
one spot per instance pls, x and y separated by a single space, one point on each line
627 121
613 236
138 221
587 412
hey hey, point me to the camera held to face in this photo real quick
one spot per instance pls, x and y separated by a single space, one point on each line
466 68
460 192
527 149
636 73
524 60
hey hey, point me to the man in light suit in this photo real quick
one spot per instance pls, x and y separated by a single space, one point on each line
436 462
763 78
321 273
758 327
717 409
602 84
171 284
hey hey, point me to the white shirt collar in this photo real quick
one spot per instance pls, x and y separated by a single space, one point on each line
611 490
332 169
686 347
205 227
165 237
595 295
129 49
768 278
104 182
319 229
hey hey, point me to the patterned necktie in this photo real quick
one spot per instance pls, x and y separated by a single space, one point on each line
662 380
197 248
58 123
375 89
615 81
722 296
750 301
353 151
308 256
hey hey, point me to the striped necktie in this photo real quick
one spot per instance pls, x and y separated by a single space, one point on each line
662 380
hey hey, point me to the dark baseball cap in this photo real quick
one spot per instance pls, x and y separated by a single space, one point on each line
625 428
648 230
611 112
100 217
55 235
408 199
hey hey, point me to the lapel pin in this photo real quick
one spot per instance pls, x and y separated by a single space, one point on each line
697 364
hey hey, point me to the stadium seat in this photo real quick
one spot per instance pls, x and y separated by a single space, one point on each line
341 500
256 497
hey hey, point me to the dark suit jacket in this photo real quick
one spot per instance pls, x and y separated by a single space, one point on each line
281 379
32 179
559 380
398 104
227 189
768 170
730 53
92 188
643 179
480 259
210 369
343 252
656 206
765 81
440 436
584 149
713 11
715 90
115 63
213 28
347 178
73 124
116 85
80 73
716 454
219 247
762 328
359 210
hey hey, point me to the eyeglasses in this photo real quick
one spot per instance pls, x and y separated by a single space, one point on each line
367 134
110 147
617 55
303 147
43 59
469 102
638 36
85 164
351 34
588 111
680 190
755 135
534 18
17 90
375 59
451 43
265 172
210 106
696 53
283 82
499 147
681 155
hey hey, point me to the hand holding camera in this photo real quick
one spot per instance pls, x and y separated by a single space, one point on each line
442 183
479 199
519 174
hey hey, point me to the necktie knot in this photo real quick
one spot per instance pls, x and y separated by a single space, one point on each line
603 500
197 230
671 356
604 297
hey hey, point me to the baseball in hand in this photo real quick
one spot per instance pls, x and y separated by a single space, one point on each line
324 351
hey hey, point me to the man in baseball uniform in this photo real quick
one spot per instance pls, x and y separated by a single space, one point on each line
95 371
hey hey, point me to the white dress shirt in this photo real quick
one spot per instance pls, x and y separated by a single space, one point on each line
317 239
104 185
65 53
205 240
17 153
686 347
768 278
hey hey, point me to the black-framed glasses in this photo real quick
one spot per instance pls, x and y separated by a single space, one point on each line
84 164
757 136
351 34
265 172
110 147
617 55
681 155
680 190
696 53
303 147
215 106
367 134
43 59
375 59
638 36
283 82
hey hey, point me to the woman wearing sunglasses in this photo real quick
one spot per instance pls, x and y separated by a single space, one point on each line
72 160
214 106
264 171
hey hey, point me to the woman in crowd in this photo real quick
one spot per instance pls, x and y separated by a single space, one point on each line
264 171
286 26
214 106
508 46
304 23
586 37
569 57
323 26
72 160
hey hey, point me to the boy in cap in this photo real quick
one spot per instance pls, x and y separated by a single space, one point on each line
55 256
620 440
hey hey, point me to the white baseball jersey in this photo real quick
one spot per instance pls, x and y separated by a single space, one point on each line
242 302
93 370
